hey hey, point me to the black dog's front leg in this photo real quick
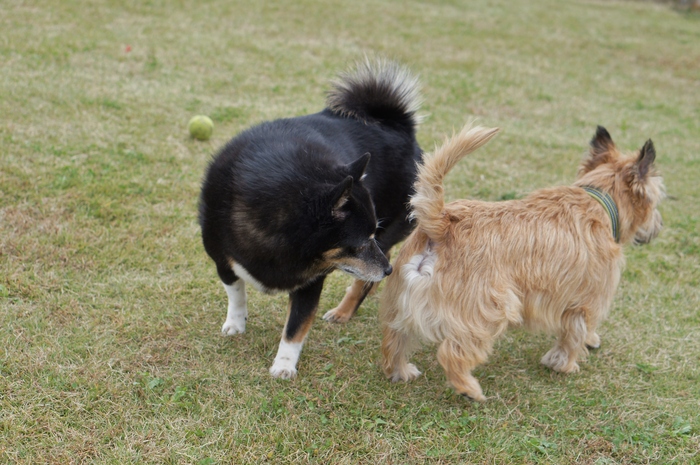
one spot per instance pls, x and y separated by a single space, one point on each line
303 304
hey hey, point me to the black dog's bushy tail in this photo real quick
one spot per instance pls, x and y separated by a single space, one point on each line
377 90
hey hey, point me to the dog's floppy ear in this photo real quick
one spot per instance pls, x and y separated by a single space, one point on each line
647 155
357 168
602 147
339 197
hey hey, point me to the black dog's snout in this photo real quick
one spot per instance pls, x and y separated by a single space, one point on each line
388 270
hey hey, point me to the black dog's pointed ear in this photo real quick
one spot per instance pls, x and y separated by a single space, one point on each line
339 197
647 155
357 168
601 142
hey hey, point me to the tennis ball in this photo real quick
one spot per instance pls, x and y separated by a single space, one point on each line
201 127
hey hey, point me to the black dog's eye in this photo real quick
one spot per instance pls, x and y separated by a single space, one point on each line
355 250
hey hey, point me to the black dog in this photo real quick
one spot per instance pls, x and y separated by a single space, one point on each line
288 201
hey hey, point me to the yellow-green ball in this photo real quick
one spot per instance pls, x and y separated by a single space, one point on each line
201 127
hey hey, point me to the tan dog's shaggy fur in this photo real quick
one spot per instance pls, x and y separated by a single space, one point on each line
548 261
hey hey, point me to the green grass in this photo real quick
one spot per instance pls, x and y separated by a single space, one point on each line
110 309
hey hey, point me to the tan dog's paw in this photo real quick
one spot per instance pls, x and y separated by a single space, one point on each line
475 397
467 386
592 341
408 373
558 360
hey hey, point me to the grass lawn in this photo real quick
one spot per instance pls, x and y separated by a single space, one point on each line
110 310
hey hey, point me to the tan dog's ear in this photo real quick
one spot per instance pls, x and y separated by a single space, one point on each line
601 151
601 142
647 155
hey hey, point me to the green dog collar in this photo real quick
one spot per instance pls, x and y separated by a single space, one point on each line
609 205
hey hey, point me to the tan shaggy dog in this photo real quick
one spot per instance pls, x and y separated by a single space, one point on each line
549 261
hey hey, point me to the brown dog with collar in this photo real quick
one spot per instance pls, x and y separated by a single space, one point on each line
550 261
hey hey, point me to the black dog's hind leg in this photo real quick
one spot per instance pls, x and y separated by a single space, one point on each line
303 304
237 312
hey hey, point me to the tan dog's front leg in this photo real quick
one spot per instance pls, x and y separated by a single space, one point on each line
570 343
